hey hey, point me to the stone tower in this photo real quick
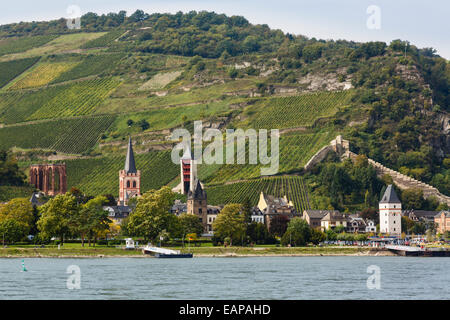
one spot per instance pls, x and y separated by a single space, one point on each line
188 172
197 203
390 213
129 178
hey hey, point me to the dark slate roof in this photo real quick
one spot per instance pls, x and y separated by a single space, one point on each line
120 211
213 209
317 214
390 196
198 193
179 207
334 216
130 166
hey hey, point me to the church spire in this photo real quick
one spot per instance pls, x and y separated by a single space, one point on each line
130 166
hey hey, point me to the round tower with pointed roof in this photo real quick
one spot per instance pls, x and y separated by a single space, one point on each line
129 178
390 213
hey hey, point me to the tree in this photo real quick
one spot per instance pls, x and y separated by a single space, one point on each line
370 214
190 224
247 209
91 220
230 223
19 210
10 173
278 225
257 233
412 198
152 214
298 232
317 236
56 215
143 124
11 230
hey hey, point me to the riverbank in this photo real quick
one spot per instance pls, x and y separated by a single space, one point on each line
111 252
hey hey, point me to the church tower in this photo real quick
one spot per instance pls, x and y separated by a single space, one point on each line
188 173
390 213
129 178
197 203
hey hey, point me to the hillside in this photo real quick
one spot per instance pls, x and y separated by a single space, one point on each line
74 96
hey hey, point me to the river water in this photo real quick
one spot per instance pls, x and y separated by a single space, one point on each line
228 278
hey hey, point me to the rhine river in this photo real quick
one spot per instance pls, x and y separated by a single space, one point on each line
227 278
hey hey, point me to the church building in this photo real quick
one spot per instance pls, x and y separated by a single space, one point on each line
390 213
129 178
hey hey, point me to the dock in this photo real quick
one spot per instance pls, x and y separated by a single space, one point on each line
408 251
159 252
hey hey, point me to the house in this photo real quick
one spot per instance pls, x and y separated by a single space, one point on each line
420 215
257 215
314 217
117 213
356 224
442 219
271 206
370 226
332 220
211 216
178 208
390 213
37 199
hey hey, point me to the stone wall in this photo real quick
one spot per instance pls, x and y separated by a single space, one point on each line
342 148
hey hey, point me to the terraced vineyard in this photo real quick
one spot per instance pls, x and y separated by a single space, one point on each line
43 74
296 111
9 192
295 151
76 99
97 176
104 40
15 45
69 135
290 186
91 65
11 69
17 106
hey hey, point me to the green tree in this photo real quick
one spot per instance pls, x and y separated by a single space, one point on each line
21 211
56 215
152 214
230 223
317 236
247 209
297 233
190 223
11 230
91 219
412 198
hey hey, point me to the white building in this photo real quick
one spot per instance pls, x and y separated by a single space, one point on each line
370 226
390 213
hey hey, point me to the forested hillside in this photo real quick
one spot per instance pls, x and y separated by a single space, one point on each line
74 96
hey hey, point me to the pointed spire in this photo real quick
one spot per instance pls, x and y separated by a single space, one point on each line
130 166
390 196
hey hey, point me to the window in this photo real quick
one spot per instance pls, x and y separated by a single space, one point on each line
128 183
134 184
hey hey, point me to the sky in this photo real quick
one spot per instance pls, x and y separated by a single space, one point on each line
423 23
